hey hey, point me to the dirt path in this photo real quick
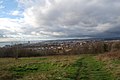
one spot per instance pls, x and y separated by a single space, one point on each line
91 69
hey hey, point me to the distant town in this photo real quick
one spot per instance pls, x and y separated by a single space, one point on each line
59 47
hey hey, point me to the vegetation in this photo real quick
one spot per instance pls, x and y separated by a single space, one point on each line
72 67
70 62
90 47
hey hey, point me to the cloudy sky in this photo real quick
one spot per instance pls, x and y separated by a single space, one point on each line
57 19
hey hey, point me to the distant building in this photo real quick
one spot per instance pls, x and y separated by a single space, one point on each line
28 42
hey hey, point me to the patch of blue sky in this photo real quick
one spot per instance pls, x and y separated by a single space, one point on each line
9 6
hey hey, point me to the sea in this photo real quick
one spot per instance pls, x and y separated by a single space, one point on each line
2 44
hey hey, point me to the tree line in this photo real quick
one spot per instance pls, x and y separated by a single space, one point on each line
91 47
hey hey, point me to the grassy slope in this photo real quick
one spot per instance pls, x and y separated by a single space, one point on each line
74 67
112 62
91 69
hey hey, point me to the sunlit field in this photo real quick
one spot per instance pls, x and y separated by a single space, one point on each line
72 67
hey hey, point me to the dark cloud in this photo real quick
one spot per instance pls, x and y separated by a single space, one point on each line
76 18
71 18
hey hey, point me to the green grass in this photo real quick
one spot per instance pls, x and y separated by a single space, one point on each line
74 67
47 68
91 69
116 61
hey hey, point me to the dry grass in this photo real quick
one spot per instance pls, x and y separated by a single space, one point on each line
60 61
112 62
109 55
63 67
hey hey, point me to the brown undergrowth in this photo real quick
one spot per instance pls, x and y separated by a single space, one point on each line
111 61
109 55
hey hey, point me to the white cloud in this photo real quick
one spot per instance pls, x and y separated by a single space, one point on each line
65 18
6 39
11 25
16 13
103 27
71 17
1 6
11 29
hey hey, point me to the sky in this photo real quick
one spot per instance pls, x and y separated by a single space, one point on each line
58 19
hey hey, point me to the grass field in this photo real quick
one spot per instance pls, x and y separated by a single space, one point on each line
72 67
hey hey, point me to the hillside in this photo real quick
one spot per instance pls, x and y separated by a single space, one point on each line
64 67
